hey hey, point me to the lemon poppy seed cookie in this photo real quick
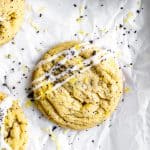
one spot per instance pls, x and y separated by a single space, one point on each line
13 125
11 17
77 85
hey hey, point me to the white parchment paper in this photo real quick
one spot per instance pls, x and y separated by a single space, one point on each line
121 25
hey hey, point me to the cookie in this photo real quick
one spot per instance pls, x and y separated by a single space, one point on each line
77 85
11 17
13 125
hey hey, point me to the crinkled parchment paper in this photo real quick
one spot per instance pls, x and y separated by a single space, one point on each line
121 25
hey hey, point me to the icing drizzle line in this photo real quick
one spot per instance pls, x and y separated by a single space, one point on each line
71 53
2 19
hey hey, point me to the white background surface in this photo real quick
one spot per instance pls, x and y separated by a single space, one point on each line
129 126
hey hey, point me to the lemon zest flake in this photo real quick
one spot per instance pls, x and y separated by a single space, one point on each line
129 17
73 80
77 47
81 9
34 25
41 9
28 103
53 138
78 20
8 56
118 54
65 131
127 90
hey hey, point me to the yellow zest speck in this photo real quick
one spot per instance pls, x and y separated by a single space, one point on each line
129 17
81 9
28 103
118 54
78 20
65 131
41 9
38 50
127 90
77 47
82 32
103 30
81 12
8 56
34 25
107 113
24 68
86 80
53 137
73 80
79 62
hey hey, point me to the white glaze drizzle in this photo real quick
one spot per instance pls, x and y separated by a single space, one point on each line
42 62
95 60
61 62
4 106
77 52
2 19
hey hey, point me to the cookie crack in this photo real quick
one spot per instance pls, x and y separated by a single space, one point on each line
71 95
60 114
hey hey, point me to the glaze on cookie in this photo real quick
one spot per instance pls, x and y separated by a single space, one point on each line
77 85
